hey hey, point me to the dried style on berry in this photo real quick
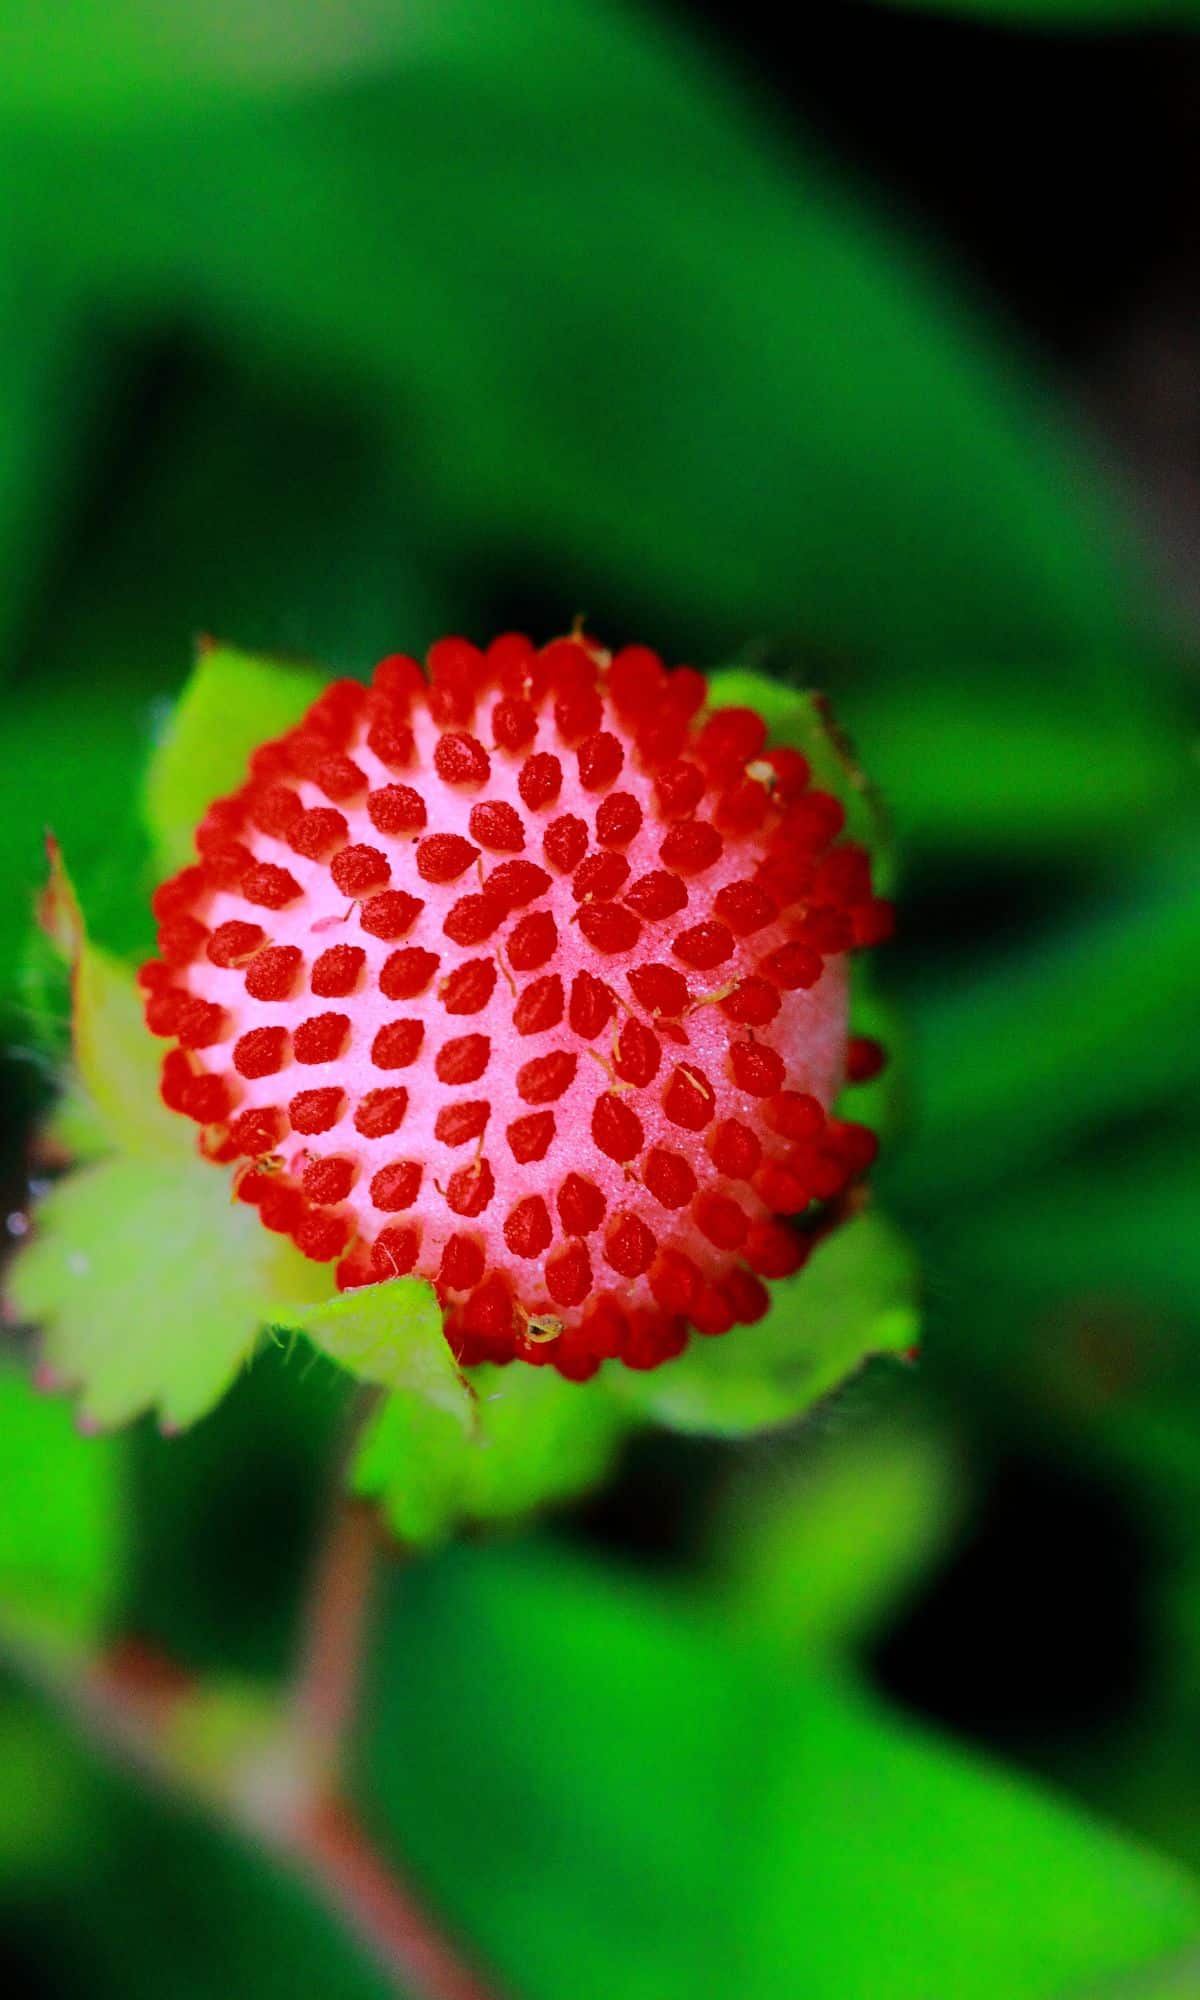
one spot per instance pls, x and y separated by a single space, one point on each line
529 978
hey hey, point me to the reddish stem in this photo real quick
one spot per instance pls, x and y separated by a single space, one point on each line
333 1642
380 1910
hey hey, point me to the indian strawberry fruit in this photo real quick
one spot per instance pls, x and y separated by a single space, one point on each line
527 976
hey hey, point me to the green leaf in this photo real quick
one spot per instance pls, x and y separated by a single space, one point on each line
214 1908
804 719
534 1439
810 432
62 1544
94 63
1004 762
79 789
231 704
151 1286
47 1808
674 1816
213 532
49 391
815 1552
855 1298
1017 1059
1071 1297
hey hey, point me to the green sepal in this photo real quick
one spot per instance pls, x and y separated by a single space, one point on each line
231 703
884 1103
802 718
116 1059
61 1534
151 1285
390 1335
534 1439
856 1297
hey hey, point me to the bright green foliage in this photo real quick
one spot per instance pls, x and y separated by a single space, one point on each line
231 704
532 1438
815 1554
62 1526
151 1286
745 1831
855 1298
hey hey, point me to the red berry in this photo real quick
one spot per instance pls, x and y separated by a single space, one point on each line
468 988
529 1138
233 943
544 1080
492 882
691 847
659 989
317 832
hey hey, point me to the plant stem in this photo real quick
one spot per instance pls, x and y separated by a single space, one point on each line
126 1704
283 1793
383 1913
333 1642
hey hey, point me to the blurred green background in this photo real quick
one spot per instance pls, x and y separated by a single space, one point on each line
869 360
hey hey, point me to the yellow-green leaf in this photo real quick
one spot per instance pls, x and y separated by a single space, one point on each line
151 1285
